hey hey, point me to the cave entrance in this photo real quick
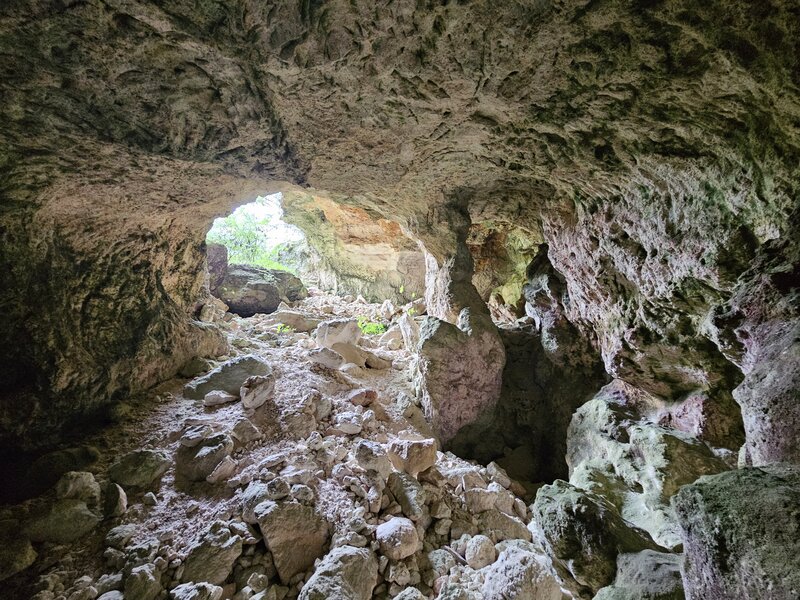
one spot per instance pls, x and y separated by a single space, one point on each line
256 259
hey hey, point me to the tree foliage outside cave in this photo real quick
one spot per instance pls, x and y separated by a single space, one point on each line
246 236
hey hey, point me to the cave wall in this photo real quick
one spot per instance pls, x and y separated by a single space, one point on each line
654 145
353 252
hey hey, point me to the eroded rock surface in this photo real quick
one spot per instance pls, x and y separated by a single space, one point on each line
740 534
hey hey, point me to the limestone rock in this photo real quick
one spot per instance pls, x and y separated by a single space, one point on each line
409 494
217 397
519 574
345 572
646 575
460 371
115 500
338 331
211 559
256 390
584 534
62 522
248 290
79 485
16 552
196 591
294 533
142 583
413 456
297 321
480 552
244 431
397 537
228 377
196 463
140 468
327 358
740 534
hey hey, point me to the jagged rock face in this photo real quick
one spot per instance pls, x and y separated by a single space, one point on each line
741 535
355 253
653 146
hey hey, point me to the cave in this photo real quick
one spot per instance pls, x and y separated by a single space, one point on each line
534 335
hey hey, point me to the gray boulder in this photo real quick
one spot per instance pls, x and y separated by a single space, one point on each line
645 575
16 552
196 591
345 572
519 574
295 535
584 533
228 377
741 534
139 468
248 290
195 463
211 559
62 522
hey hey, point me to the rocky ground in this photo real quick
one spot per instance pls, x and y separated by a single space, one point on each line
301 465
322 480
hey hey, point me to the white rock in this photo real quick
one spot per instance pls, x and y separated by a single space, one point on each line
348 423
326 357
256 390
338 331
216 397
398 538
222 471
480 552
413 456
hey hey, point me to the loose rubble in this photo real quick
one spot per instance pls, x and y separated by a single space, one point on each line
300 466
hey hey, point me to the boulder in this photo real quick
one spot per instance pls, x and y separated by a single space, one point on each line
409 494
139 469
614 451
248 290
326 357
646 575
227 377
294 533
459 371
115 500
244 431
413 456
62 522
345 572
211 559
196 591
584 533
398 538
519 573
217 397
16 551
143 583
338 331
256 390
196 463
295 320
79 485
741 534
480 552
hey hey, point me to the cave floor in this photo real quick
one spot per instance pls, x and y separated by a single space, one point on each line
318 455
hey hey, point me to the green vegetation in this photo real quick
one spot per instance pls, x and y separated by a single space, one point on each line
368 327
246 238
285 329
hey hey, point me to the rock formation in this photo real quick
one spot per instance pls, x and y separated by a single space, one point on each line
597 192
